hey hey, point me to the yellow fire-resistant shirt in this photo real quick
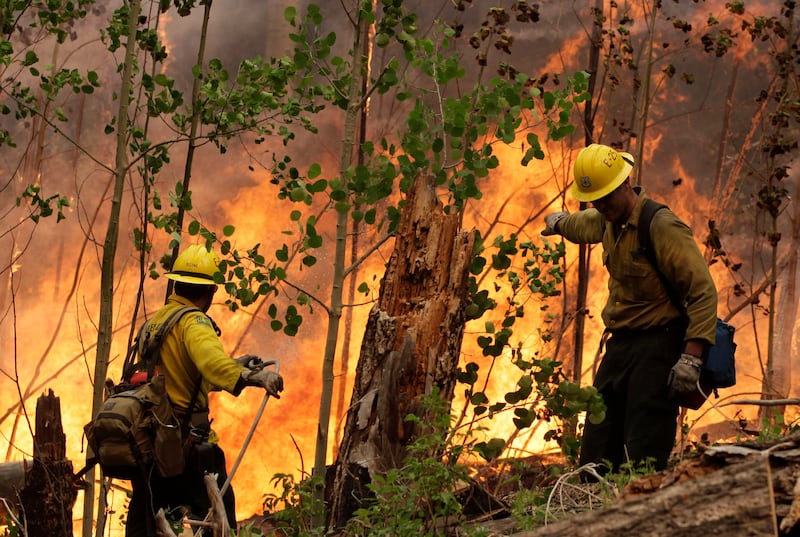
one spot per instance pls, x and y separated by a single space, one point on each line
637 299
190 352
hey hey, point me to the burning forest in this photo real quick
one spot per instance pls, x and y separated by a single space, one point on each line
375 178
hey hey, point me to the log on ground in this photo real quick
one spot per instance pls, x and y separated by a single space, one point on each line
731 490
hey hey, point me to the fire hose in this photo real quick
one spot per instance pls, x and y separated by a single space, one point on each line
248 438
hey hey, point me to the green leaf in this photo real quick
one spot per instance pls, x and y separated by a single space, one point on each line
492 449
478 398
282 254
30 58
314 170
524 417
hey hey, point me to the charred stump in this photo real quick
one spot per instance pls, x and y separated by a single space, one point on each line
411 344
49 494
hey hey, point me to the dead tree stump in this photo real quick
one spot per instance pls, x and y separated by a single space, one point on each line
49 494
411 344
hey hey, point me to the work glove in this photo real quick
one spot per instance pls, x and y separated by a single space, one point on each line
685 373
266 378
250 361
550 222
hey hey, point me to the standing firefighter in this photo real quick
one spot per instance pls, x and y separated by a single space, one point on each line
654 351
193 363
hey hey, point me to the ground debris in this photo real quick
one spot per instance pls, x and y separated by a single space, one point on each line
749 488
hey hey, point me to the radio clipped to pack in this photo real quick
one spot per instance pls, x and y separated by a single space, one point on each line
719 366
136 426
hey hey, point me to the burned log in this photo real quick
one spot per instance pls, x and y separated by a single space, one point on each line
49 493
750 490
411 345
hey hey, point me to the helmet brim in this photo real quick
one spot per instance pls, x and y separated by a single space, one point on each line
187 278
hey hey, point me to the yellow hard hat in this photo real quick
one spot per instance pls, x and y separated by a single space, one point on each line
196 264
598 171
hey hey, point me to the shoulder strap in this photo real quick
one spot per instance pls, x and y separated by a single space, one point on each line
148 348
649 209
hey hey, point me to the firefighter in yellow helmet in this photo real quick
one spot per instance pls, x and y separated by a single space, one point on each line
193 363
654 348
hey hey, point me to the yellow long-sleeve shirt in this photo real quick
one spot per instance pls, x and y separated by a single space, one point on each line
637 299
192 352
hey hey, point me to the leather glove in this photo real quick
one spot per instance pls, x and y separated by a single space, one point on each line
249 361
685 373
550 222
266 378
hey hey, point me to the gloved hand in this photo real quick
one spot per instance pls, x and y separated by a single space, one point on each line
550 222
685 373
250 361
266 378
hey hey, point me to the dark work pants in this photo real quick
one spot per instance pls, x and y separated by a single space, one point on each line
641 413
187 489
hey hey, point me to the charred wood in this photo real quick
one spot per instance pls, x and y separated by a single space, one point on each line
49 493
410 346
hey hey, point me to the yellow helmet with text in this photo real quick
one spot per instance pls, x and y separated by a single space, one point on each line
598 171
196 264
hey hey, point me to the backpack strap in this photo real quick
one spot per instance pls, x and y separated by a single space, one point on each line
149 347
649 209
146 349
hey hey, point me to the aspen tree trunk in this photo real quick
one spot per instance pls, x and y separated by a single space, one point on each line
194 127
412 343
105 324
643 102
786 316
355 231
346 158
583 249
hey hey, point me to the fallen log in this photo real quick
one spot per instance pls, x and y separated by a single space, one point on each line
729 490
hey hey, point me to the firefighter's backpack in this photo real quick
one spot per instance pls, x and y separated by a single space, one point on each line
136 427
719 367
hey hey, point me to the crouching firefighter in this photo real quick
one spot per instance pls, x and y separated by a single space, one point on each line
193 362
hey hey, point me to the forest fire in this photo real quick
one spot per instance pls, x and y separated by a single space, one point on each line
51 300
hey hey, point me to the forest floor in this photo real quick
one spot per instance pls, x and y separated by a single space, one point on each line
732 485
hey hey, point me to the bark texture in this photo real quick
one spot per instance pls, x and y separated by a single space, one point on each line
730 490
411 343
49 493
